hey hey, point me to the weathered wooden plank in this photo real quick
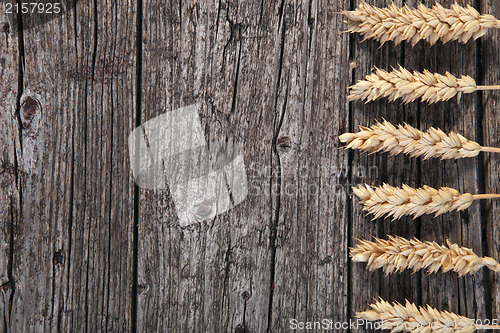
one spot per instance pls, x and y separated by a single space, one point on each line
378 169
446 291
311 271
9 132
44 175
72 256
459 174
104 79
490 114
215 275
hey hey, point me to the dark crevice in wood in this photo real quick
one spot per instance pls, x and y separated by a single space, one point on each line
275 219
60 317
180 15
89 234
261 13
72 188
227 270
10 264
20 91
306 59
350 159
96 30
72 180
53 296
481 173
70 218
275 155
76 33
309 41
138 115
418 221
460 297
235 90
110 216
217 21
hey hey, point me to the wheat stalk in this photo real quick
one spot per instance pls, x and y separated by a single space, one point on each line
397 202
420 23
410 318
401 83
434 143
397 254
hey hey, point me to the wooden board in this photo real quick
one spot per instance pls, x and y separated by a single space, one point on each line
489 165
71 259
10 210
83 247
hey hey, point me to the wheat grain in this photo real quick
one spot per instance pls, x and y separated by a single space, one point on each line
397 254
434 143
408 201
410 318
421 23
401 84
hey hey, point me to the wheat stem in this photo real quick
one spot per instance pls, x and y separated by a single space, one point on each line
402 84
490 149
434 143
486 196
497 87
402 201
397 254
421 23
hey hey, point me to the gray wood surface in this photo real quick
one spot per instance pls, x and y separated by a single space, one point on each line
83 248
490 165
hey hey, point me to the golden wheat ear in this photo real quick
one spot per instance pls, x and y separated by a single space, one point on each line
412 25
405 139
397 202
402 84
397 254
410 318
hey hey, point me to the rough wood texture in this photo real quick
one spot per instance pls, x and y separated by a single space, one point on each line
83 248
490 165
9 171
71 260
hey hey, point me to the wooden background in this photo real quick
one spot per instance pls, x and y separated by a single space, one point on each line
83 249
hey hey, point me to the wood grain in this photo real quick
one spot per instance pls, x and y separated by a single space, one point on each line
103 75
490 164
212 276
10 210
72 250
311 271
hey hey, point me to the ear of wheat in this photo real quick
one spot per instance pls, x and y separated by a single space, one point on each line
402 84
434 143
420 23
410 318
397 254
398 202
